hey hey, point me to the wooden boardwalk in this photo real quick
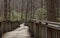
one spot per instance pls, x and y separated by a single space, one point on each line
21 32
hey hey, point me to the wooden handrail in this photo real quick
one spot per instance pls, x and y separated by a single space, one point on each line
50 22
53 25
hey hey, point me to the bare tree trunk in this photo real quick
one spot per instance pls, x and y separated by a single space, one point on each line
5 9
52 7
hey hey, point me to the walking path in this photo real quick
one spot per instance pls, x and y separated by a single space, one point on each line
21 32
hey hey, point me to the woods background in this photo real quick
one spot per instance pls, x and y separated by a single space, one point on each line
30 9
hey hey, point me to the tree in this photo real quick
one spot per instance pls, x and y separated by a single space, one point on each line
52 7
5 9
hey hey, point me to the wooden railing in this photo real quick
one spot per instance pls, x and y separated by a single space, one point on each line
44 29
37 28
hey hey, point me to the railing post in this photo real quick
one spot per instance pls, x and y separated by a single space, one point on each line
38 31
34 29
